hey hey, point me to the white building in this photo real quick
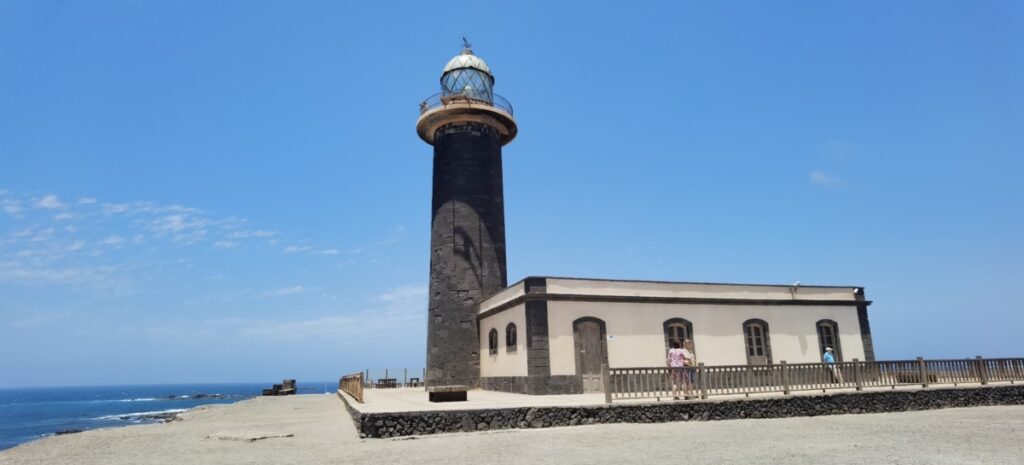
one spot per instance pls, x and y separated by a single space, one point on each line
547 335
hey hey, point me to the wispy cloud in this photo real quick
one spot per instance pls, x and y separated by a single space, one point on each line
403 293
836 150
399 311
284 291
97 246
50 202
113 240
820 178
11 207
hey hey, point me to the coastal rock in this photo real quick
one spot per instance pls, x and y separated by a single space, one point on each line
67 431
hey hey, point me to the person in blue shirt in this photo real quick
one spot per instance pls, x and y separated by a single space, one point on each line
830 361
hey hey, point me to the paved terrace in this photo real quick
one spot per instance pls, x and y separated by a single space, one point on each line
415 399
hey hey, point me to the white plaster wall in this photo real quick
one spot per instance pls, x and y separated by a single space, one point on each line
504 363
637 337
503 296
696 290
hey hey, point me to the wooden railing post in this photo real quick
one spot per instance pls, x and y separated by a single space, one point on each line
858 375
785 378
982 370
702 380
606 383
922 371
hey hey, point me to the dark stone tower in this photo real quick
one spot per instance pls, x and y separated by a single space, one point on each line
467 124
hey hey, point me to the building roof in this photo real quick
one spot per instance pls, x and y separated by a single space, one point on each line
466 59
619 290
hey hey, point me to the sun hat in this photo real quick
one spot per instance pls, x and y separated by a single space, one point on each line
828 349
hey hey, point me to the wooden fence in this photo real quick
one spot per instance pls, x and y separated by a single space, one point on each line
387 378
353 385
704 381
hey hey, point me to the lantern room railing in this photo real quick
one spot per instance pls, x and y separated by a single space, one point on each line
439 100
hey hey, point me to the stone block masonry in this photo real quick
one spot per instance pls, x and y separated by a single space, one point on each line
467 261
385 425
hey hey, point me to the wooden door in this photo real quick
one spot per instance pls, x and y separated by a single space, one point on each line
590 353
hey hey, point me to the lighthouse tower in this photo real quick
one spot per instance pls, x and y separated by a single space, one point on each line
467 123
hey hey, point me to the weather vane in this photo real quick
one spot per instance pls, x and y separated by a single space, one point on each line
466 45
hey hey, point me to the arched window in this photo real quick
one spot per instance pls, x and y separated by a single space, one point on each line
492 341
828 336
758 343
510 337
677 330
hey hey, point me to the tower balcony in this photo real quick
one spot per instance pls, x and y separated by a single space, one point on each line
445 108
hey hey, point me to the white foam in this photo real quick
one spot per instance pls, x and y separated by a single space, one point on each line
138 415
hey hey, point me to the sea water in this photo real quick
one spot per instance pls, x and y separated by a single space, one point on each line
32 413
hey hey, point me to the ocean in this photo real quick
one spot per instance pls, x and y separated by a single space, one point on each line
32 413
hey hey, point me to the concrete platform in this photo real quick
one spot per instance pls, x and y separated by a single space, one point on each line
415 400
403 412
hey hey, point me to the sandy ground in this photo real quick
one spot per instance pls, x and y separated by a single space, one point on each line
314 429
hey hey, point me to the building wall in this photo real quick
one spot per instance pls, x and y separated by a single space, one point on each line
504 363
636 335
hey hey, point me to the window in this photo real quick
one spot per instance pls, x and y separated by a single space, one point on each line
828 336
758 344
510 337
492 341
677 330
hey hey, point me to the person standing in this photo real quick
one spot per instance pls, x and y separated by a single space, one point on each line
830 361
689 362
676 362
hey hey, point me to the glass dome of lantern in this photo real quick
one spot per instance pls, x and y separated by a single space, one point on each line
467 76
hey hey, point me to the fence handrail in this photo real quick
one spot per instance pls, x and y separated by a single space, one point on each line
705 380
352 385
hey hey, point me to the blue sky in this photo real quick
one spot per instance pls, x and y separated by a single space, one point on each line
234 191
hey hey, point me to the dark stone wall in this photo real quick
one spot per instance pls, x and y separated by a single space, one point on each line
384 425
538 358
865 333
467 248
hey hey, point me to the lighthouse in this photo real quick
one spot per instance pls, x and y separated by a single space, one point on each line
467 124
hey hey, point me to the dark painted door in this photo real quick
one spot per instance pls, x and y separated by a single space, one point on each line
589 354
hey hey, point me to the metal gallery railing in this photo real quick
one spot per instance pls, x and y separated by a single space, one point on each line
352 385
703 381
440 100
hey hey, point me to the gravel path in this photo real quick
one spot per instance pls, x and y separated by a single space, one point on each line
313 429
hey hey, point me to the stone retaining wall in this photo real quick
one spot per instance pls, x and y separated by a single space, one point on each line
384 425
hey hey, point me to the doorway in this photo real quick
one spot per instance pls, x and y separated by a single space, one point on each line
591 351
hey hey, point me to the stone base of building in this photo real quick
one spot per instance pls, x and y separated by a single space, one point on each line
384 425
